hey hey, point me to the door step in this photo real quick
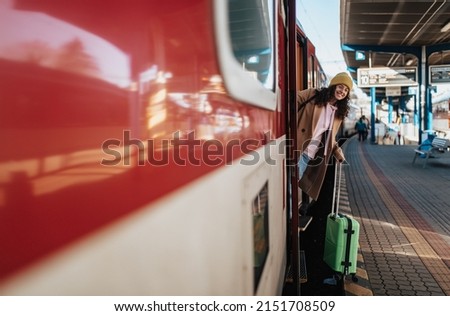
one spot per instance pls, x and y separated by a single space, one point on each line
303 277
303 222
303 273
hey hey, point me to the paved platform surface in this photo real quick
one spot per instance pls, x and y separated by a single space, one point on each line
404 213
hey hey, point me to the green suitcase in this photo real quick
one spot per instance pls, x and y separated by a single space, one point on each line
341 238
341 243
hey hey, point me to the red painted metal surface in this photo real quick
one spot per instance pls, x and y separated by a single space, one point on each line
86 81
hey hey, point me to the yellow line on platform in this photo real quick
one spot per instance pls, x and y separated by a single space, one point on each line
423 249
362 286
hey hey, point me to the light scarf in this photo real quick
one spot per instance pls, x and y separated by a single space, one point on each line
323 124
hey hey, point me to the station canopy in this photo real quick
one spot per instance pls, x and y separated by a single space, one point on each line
389 33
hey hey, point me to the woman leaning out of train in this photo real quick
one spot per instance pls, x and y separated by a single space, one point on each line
319 116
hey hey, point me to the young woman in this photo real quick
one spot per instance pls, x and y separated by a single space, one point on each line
319 116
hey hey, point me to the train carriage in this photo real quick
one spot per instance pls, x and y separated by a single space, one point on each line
147 146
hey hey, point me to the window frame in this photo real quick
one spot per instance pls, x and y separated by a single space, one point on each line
238 82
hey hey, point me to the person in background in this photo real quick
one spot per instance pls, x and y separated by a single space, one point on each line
361 128
319 115
366 120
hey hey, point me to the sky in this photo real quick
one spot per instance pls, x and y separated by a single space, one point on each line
321 22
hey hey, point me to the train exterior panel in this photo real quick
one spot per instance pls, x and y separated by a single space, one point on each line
146 147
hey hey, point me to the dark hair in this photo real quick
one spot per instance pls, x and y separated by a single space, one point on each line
326 94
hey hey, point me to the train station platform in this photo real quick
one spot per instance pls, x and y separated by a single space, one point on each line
404 213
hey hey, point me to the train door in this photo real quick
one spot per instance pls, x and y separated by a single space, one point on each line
295 82
303 74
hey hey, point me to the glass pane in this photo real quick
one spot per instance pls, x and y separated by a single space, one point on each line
251 30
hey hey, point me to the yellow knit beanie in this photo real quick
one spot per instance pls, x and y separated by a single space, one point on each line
342 78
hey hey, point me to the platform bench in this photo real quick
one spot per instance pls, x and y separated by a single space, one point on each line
437 146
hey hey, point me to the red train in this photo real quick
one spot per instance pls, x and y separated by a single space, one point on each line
146 146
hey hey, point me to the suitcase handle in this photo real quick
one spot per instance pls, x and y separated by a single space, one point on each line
337 183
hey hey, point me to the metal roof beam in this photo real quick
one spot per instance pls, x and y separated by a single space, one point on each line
414 50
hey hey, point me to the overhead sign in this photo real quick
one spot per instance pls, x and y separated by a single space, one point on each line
393 91
439 74
385 76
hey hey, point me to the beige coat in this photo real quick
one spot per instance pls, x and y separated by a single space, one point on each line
307 119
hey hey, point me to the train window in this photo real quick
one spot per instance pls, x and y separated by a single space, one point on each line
250 26
260 210
312 72
245 43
